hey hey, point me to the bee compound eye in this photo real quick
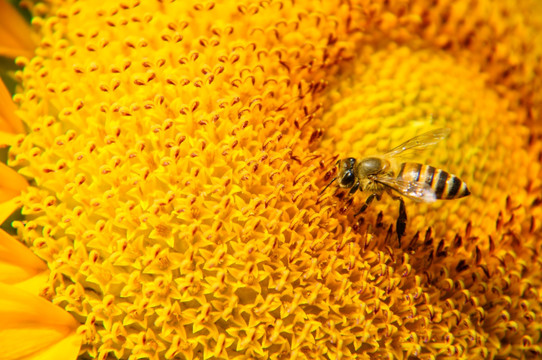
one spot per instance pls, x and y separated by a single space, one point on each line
348 179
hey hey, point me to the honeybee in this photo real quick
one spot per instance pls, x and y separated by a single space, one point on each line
378 174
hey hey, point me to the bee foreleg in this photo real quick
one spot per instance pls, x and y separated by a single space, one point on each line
368 202
354 188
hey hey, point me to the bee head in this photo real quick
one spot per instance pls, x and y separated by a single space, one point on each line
346 175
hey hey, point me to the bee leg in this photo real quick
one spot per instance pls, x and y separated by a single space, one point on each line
401 220
368 202
354 188
400 225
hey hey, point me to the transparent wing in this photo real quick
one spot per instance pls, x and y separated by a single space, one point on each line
420 142
417 191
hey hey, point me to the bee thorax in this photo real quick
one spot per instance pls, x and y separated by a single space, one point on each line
370 166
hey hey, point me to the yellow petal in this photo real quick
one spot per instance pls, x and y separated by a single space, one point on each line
11 183
18 265
7 208
35 283
15 34
9 122
7 139
33 328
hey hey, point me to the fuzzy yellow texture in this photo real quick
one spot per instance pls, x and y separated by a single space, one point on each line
178 150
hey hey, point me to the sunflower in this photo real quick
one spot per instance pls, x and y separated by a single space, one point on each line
168 158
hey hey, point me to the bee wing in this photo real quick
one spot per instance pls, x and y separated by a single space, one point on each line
420 142
417 191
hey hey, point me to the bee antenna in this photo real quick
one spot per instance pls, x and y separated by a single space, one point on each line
331 182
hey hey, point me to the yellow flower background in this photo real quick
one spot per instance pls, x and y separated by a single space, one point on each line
175 153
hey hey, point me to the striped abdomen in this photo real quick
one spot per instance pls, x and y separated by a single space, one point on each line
446 185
